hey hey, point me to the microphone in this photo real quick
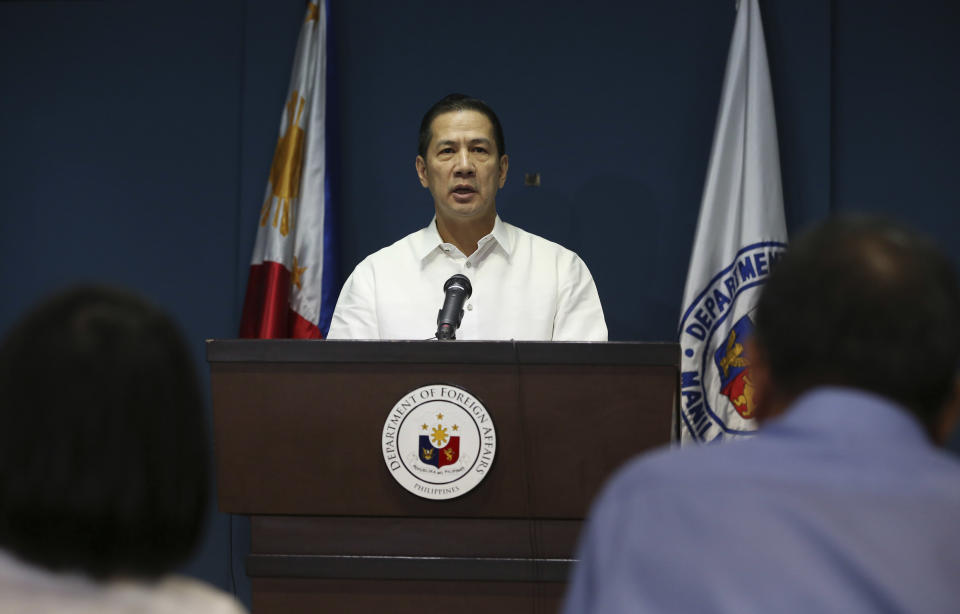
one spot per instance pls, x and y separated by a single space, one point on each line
458 290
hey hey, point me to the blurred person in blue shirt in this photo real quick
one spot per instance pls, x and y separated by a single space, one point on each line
843 501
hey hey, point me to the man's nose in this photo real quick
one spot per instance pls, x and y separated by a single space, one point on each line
464 166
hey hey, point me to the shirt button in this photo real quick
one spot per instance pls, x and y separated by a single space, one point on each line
470 307
469 265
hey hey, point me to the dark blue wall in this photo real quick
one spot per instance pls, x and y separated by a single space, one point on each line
135 137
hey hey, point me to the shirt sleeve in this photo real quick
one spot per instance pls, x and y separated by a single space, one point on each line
579 314
589 588
610 576
640 550
355 316
581 587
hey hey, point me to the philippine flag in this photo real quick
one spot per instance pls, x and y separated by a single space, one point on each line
291 289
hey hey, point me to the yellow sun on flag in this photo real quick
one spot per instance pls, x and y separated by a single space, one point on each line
287 167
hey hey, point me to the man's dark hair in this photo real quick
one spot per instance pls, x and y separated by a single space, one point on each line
103 448
862 302
459 102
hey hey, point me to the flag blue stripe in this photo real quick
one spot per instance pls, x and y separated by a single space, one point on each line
330 277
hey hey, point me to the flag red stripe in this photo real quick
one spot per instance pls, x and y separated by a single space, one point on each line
265 306
266 310
301 328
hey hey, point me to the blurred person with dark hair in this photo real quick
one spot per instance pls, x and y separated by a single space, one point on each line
524 286
842 502
103 461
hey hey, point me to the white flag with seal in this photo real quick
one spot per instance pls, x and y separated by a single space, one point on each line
740 235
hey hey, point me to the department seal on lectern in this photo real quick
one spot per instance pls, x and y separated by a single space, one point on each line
439 442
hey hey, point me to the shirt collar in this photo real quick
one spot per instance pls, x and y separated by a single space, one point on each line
428 240
851 415
505 236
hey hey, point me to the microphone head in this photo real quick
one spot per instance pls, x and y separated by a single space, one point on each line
459 281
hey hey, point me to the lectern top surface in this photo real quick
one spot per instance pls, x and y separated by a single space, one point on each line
446 352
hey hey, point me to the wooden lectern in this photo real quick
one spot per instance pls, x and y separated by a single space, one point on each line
298 426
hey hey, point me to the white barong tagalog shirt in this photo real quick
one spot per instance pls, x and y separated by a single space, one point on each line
524 288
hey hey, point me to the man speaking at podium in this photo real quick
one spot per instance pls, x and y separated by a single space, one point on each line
523 286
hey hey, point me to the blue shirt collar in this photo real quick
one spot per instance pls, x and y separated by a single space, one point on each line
850 414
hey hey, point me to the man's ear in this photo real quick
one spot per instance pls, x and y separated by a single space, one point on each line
763 393
504 165
421 165
949 416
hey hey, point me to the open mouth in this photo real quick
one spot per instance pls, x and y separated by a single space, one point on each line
464 190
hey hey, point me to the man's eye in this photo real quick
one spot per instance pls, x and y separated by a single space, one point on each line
446 150
480 150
